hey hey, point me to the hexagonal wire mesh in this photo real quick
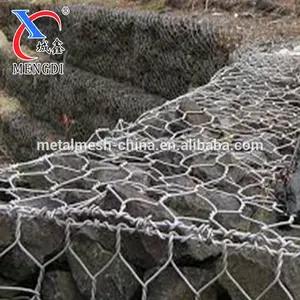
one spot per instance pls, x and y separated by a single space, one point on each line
182 223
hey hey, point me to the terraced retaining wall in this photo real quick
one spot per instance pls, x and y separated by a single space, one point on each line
117 65
160 53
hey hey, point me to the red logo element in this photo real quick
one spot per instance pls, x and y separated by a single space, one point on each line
20 31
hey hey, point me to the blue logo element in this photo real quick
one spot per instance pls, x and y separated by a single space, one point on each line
34 32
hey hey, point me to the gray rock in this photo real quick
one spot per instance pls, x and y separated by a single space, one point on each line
260 267
292 196
7 228
40 237
183 181
137 248
169 285
76 196
148 251
114 283
202 203
168 157
61 175
145 251
139 174
9 293
38 182
34 166
195 252
205 167
108 173
133 201
291 274
71 160
195 114
235 220
71 179
59 285
253 159
49 202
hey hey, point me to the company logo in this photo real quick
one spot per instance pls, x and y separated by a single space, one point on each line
34 32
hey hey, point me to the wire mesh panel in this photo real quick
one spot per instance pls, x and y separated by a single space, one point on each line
197 199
